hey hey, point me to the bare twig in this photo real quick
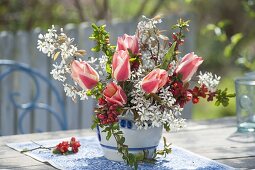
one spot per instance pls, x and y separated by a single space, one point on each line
39 147
157 7
102 9
141 9
79 8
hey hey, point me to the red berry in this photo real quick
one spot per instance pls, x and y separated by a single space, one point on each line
174 36
101 116
195 100
101 101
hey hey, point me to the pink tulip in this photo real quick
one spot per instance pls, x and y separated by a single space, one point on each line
156 79
84 74
121 66
115 94
188 66
128 42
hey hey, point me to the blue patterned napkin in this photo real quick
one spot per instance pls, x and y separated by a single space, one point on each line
90 157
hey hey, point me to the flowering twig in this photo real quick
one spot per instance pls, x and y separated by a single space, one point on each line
63 148
40 147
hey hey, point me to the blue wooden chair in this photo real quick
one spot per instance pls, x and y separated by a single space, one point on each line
21 99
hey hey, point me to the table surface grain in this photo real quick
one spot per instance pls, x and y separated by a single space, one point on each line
215 139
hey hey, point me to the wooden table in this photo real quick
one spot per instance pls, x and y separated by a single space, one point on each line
214 139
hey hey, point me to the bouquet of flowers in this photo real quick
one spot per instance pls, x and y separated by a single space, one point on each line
144 74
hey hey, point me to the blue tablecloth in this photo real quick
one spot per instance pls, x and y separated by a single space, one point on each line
90 157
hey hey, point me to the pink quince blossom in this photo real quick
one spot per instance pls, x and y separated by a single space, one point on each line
84 74
114 94
188 66
128 42
155 80
121 66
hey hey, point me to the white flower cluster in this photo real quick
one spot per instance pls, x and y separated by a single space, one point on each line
167 97
46 42
154 114
72 92
150 42
102 62
59 71
52 43
210 81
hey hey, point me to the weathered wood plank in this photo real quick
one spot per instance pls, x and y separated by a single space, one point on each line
43 166
242 163
72 108
24 88
207 138
39 61
212 142
20 162
212 123
45 136
6 152
87 106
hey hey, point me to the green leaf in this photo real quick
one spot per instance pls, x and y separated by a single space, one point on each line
140 157
119 133
116 126
25 150
234 41
217 103
109 134
94 26
236 38
108 69
132 59
167 58
95 49
164 139
231 95
167 127
55 151
122 140
93 126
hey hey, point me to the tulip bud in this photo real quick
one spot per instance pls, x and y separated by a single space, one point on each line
155 80
114 94
188 66
128 42
84 74
121 66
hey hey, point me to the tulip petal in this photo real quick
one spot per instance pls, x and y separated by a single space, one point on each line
189 56
110 89
155 80
88 82
84 74
122 72
115 94
123 96
126 42
150 86
121 66
113 101
190 70
188 66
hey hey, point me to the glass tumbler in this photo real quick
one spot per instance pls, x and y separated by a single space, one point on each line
245 104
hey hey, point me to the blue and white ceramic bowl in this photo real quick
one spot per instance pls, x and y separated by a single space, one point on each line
137 140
